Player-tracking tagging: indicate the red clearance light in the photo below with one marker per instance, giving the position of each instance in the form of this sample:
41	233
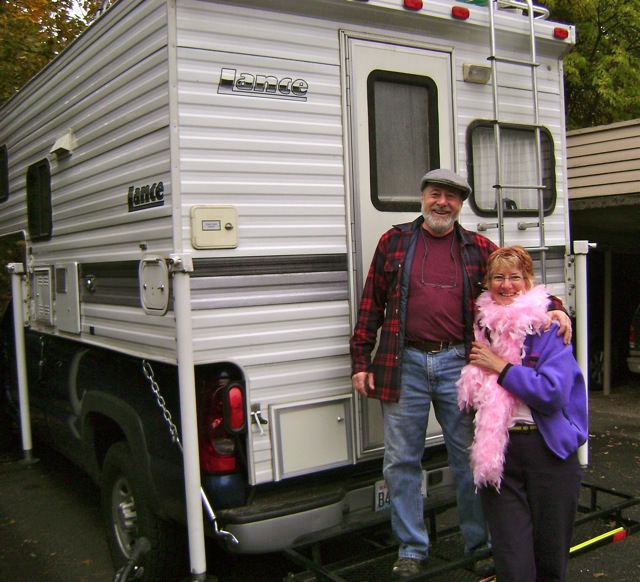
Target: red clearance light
460	12
412	4
560	33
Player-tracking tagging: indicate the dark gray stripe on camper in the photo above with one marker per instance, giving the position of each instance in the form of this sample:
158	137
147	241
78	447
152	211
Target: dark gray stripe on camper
220	283
113	283
269	265
259	281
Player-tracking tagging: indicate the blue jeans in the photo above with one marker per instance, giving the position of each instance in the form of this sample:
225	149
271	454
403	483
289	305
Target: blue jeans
428	378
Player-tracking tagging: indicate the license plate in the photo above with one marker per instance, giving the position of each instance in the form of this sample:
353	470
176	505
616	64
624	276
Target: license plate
381	500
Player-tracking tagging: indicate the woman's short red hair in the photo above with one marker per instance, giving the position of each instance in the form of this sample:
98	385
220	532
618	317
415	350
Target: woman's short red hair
515	257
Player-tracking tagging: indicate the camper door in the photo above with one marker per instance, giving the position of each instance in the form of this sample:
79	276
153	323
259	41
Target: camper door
401	126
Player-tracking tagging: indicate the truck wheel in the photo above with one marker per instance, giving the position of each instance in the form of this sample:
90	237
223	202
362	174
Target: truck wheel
128	515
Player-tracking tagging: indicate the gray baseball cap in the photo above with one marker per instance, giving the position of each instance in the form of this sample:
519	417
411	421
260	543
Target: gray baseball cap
447	178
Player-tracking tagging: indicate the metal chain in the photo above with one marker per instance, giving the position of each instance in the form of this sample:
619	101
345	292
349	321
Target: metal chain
147	370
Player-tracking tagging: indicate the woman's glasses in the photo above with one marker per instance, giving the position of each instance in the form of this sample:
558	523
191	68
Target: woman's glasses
511	278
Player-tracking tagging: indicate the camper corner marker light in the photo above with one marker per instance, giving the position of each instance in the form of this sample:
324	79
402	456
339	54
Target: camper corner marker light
412	4
460	12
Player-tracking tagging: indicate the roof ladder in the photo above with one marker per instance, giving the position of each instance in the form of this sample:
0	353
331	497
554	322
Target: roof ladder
534	13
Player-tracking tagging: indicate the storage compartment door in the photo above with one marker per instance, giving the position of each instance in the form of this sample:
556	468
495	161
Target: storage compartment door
311	436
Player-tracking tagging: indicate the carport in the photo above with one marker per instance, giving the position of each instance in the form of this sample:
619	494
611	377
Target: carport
604	208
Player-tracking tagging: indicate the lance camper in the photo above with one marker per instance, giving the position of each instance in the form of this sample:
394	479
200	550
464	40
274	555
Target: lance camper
193	191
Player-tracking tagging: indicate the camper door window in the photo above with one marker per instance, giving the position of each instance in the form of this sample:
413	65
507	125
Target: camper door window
403	137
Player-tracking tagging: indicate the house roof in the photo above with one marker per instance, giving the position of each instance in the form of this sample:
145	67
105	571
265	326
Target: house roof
604	185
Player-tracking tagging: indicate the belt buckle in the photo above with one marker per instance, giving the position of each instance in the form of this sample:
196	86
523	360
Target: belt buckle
442	346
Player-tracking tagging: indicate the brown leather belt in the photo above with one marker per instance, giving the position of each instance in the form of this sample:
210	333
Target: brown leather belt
431	346
524	428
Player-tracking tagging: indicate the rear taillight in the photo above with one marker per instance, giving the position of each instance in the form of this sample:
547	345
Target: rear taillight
233	409
222	418
632	336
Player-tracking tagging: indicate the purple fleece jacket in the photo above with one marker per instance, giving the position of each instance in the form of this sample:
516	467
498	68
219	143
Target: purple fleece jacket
550	382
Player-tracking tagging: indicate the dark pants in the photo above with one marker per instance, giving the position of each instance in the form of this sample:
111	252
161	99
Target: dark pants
531	518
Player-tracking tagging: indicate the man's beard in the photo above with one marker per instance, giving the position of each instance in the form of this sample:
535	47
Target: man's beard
439	224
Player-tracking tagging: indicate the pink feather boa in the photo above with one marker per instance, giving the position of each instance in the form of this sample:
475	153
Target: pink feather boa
508	326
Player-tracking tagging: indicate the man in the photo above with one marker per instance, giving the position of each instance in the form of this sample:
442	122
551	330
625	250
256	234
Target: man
420	289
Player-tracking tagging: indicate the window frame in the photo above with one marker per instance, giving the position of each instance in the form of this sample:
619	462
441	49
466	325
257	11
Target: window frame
433	133
545	134
39	207
4	173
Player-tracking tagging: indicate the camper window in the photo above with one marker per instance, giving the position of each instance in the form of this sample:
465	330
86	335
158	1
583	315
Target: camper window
517	165
4	173
403	137
39	200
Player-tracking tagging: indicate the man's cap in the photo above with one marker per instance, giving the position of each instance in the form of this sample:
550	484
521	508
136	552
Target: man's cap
446	178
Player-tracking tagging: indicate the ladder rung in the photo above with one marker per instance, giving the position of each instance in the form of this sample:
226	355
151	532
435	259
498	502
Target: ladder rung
519	186
498	59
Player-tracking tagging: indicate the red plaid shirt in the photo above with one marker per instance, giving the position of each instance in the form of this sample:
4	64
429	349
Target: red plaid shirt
386	291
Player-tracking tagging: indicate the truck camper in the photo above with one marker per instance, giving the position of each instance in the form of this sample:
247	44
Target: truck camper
193	191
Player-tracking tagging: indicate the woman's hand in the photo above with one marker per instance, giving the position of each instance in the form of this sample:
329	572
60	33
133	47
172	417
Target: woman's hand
484	357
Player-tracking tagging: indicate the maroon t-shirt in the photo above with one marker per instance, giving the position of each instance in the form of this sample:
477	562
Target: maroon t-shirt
434	308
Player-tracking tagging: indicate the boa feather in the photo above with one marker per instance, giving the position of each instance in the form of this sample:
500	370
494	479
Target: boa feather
504	329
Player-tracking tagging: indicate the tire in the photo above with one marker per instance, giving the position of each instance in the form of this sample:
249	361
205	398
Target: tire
128	515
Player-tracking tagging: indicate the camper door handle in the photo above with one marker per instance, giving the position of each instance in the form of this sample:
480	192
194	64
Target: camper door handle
340	419
90	283
256	418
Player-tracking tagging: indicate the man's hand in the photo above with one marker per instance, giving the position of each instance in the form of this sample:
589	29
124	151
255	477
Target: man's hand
362	382
564	321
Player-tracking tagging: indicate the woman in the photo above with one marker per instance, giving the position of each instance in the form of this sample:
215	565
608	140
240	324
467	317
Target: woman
531	417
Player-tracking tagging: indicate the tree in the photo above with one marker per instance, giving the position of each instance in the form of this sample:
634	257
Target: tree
33	32
602	73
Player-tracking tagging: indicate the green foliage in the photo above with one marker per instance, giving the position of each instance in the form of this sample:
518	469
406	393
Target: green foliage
33	32
602	73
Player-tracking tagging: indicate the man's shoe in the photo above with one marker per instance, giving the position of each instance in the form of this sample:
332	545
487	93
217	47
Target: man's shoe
484	568
405	568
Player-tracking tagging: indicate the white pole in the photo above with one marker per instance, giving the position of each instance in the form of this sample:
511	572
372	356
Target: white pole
181	267
17	270
580	249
